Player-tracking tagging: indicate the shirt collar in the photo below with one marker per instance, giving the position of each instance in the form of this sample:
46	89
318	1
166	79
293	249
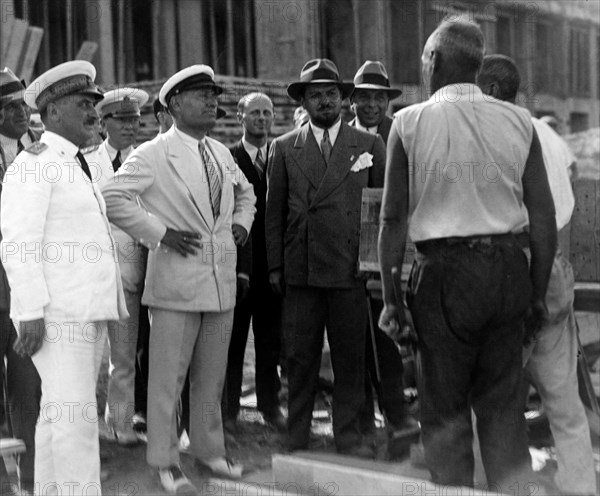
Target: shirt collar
371	130
112	151
333	131
457	91
252	150
56	140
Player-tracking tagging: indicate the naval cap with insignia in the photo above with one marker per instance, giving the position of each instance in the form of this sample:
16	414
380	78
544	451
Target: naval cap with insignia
11	87
191	78
69	78
122	102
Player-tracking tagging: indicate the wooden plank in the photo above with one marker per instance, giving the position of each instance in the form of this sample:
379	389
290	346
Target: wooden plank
30	54
6	27
87	50
585	231
16	43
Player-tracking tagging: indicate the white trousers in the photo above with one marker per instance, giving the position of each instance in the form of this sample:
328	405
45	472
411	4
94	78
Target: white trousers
551	366
67	458
122	338
178	341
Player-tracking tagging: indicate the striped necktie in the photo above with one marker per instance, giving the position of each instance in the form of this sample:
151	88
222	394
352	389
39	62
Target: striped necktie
326	146
214	180
259	164
116	163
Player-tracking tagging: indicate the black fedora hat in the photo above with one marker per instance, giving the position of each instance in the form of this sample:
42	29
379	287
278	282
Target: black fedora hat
319	71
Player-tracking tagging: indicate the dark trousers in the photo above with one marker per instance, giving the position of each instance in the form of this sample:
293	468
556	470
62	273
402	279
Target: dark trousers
141	364
22	384
468	303
307	311
264	307
390	390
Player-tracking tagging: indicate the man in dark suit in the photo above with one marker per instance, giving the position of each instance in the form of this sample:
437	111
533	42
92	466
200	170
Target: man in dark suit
370	99
369	102
316	177
255	298
19	376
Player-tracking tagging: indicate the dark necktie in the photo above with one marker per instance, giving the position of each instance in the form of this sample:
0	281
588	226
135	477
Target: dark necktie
259	164
116	163
214	180
84	165
326	146
20	146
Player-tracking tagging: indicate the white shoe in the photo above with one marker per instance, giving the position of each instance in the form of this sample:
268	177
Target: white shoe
174	481
224	467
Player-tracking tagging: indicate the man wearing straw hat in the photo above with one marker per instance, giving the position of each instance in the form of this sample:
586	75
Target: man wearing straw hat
64	277
316	177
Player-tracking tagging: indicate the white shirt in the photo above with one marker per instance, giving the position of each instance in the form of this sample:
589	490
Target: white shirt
558	157
252	150
371	130
193	144
333	132
112	151
466	154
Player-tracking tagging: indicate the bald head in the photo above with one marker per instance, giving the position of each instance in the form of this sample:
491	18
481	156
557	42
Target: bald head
499	77
453	53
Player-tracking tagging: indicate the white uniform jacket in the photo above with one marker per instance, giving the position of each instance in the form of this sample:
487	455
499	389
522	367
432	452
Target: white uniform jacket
132	259
169	179
57	247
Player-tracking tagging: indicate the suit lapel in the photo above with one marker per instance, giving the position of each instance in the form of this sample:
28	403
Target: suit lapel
191	173
246	165
308	158
343	155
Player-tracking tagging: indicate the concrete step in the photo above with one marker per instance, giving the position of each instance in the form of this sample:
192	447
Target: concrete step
328	474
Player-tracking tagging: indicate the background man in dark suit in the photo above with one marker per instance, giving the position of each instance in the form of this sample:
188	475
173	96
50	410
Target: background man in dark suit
371	98
316	177
369	102
19	376
256	299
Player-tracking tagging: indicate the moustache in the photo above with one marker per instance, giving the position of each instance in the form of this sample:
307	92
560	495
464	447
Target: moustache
90	122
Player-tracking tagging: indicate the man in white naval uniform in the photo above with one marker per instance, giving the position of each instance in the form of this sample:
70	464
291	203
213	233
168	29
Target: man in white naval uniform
61	264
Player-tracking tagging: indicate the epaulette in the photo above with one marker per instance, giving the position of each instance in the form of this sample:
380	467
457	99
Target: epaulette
89	149
37	148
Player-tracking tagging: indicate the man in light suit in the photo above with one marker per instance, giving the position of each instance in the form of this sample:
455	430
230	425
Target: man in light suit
316	177
198	207
62	268
255	112
120	114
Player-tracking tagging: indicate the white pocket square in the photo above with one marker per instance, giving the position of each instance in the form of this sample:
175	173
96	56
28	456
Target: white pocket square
364	161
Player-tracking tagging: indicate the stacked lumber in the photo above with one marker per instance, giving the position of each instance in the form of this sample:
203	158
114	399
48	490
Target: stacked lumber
19	46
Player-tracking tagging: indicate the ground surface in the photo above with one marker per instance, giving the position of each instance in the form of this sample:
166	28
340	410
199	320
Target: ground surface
128	474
